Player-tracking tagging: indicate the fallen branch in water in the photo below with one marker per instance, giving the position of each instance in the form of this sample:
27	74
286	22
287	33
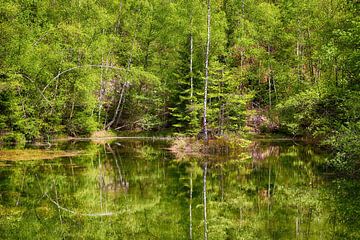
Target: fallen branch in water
101	214
80	214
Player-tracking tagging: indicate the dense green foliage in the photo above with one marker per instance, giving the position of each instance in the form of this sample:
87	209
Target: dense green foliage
74	68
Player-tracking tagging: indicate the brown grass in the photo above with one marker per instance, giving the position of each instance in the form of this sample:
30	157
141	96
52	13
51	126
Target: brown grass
190	147
183	147
34	154
103	134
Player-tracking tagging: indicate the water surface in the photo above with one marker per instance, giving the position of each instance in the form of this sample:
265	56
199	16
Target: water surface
136	189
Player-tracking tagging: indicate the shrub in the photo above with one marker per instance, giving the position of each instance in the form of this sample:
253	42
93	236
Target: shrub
14	138
81	124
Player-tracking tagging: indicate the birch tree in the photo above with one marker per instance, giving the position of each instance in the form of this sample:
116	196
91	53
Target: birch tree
205	130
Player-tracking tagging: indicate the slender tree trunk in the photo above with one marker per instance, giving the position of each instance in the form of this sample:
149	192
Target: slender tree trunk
117	107
119	18
206	72
72	108
273	83
298	59
243	9
147	52
309	53
191	69
121	110
336	73
269	77
222	113
101	90
118	110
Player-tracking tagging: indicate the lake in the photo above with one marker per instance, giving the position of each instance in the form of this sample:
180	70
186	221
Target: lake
137	189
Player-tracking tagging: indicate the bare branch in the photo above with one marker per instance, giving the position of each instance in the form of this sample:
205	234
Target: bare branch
83	66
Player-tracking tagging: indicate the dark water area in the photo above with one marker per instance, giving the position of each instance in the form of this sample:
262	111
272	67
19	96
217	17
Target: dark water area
137	189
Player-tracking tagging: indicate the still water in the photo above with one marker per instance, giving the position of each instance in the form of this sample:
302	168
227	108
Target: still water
137	189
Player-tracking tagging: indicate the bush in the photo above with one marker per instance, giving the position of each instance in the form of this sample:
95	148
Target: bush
14	138
82	125
29	127
318	112
331	116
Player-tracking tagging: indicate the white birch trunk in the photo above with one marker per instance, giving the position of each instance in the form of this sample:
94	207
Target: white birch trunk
117	107
191	69
206	71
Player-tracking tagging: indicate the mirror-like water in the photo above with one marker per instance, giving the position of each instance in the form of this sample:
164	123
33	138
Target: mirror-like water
138	190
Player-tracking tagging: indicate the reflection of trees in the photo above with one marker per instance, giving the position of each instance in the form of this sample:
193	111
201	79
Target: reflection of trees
260	151
84	198
145	195
243	204
343	199
120	183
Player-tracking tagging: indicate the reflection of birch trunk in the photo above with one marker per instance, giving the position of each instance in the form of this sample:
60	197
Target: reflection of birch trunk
190	205
22	187
101	182
72	173
269	192
56	196
297	223
309	223
122	180
57	200
269	187
204	192
116	161
222	185
119	170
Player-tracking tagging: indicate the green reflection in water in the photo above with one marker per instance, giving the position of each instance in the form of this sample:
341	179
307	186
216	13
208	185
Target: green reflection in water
138	190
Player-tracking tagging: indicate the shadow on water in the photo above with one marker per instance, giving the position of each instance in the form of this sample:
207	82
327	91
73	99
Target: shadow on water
136	189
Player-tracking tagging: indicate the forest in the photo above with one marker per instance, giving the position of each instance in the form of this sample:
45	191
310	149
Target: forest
71	68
